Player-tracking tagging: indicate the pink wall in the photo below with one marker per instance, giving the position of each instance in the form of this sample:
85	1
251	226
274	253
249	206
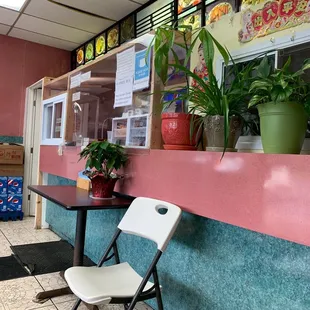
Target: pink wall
265	193
22	63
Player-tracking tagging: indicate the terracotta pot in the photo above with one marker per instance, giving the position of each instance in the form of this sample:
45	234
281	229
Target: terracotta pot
214	129
102	187
175	130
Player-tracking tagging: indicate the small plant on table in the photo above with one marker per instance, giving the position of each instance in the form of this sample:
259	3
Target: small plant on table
103	159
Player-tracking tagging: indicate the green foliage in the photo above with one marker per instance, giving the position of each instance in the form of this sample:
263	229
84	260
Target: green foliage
280	85
103	157
207	99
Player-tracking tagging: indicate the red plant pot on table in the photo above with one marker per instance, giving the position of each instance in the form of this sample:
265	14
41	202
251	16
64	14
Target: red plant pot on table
102	187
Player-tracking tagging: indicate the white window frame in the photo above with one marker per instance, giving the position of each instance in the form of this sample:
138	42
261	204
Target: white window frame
51	102
270	44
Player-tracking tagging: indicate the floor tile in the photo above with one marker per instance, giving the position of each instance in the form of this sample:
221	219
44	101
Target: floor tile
20	233
53	281
17	294
69	304
5	249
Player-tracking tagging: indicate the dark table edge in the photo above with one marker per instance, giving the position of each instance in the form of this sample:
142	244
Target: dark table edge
116	194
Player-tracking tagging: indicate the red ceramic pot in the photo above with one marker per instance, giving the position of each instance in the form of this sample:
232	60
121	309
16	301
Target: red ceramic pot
175	130
102	187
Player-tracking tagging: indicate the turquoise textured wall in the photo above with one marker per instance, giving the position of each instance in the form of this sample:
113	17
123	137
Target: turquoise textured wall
208	265
11	139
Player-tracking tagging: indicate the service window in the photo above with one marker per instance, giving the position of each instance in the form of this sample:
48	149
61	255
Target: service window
53	125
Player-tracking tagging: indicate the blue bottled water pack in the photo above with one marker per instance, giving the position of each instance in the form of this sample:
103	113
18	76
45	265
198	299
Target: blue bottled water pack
14	203
3	203
15	185
3	185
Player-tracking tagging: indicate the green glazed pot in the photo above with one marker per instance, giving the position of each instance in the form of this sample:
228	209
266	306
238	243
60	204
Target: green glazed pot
283	127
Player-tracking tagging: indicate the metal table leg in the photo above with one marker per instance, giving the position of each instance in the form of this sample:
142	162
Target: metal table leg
77	259
80	238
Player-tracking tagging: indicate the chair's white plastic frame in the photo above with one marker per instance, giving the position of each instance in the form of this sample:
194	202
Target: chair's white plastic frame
152	219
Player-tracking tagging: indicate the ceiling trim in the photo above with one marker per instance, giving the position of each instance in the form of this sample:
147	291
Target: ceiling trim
81	11
20	14
45	35
52	21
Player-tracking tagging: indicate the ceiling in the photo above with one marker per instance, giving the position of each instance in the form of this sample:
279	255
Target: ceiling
48	23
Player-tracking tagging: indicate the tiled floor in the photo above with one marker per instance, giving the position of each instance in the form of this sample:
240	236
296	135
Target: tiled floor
17	294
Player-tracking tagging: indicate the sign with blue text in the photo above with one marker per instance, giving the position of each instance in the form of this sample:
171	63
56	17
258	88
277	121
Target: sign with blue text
142	70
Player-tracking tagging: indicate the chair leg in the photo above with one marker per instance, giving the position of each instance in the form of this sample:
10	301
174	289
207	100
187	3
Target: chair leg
75	307
159	299
157	290
132	304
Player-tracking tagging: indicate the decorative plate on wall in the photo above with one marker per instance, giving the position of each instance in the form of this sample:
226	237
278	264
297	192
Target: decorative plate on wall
89	51
127	29
113	38
186	4
80	56
193	20
214	13
100	44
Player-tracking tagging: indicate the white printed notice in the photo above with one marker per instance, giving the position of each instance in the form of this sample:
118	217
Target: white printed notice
76	96
75	81
126	62
124	78
123	91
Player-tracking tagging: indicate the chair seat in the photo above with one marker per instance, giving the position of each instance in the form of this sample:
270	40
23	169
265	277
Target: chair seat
98	285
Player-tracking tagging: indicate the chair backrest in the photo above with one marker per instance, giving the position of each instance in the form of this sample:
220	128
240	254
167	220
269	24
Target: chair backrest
152	219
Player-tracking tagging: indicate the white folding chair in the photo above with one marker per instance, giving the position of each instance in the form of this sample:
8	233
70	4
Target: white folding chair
120	284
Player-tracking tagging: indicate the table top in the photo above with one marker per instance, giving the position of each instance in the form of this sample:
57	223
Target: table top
73	198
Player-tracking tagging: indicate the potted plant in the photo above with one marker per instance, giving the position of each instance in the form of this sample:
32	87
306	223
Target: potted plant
102	160
283	100
220	108
177	127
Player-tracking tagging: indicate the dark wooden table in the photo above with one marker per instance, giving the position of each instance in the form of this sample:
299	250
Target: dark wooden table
72	198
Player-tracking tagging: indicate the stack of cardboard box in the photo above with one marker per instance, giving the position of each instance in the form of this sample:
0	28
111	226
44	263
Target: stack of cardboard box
11	181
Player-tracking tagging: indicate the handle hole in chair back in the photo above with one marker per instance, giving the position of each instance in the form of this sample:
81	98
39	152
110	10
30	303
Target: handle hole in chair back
153	219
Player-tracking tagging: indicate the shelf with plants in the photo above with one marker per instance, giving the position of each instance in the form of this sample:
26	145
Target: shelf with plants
219	109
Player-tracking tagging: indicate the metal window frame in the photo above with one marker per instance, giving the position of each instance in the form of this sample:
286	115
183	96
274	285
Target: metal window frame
172	7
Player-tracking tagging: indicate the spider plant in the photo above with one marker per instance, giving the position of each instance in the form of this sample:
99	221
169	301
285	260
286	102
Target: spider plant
211	98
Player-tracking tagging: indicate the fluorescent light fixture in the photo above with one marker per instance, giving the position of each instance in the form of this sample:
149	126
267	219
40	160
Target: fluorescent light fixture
12	4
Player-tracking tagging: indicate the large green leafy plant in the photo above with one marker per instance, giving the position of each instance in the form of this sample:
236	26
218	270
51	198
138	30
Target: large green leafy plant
211	98
280	85
103	158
